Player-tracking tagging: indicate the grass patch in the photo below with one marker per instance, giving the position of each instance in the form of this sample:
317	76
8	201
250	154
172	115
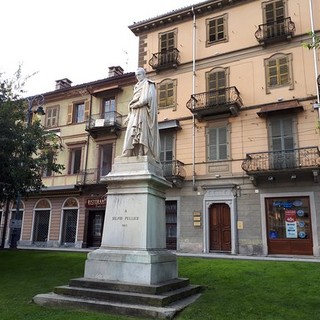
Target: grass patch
235	289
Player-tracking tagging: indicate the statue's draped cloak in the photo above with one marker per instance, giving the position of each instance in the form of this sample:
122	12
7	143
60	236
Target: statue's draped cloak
142	125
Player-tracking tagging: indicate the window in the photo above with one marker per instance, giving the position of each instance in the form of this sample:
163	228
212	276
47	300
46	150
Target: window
69	224
167	93
52	116
171	225
41	221
274	15
75	160
105	159
166	147
216	30
167	41
78	112
50	158
289	229
282	142
279	71
217	143
108	108
216	84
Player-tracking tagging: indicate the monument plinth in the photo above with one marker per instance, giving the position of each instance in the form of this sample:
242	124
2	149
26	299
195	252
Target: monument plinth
131	273
133	242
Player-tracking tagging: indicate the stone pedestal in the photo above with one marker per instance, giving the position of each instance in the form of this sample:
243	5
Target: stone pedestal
134	236
131	273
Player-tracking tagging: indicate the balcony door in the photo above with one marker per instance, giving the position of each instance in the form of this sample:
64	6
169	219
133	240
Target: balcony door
282	143
108	110
105	159
216	84
166	153
167	44
274	15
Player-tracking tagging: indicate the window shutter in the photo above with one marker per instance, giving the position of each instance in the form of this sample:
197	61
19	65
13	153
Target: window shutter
70	117
86	110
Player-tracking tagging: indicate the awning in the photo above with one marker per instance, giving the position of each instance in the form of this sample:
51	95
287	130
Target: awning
280	106
169	124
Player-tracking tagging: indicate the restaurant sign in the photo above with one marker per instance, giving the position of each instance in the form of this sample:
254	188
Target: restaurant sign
96	202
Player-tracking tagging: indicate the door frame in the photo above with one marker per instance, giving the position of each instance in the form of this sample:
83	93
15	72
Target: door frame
313	216
226	194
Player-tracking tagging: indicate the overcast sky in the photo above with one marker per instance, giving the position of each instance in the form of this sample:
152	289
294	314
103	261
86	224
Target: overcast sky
75	39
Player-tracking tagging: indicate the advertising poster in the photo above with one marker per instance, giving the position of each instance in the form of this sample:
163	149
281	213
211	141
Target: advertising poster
291	224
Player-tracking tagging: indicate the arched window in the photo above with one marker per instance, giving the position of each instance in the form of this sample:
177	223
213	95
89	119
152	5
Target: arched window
69	222
278	70
41	221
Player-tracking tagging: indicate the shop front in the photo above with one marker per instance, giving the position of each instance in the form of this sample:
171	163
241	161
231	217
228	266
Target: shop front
289	224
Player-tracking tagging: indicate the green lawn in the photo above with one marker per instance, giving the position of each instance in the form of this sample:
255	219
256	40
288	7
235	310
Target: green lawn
235	289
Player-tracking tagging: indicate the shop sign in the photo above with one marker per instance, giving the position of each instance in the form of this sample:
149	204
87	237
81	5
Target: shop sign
96	203
291	224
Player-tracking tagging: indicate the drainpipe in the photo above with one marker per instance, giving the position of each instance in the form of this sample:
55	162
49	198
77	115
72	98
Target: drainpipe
314	54
193	92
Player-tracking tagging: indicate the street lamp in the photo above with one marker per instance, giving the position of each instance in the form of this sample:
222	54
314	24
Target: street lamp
36	101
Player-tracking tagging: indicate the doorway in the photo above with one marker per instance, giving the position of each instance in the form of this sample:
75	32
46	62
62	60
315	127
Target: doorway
95	228
219	228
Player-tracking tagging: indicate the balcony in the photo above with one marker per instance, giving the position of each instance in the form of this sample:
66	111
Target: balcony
293	163
275	31
174	172
107	123
215	102
91	176
165	60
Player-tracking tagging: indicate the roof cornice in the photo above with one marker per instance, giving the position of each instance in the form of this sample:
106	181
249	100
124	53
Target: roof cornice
183	14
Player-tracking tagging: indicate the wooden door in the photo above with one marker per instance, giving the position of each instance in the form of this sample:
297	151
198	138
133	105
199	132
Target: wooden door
220	227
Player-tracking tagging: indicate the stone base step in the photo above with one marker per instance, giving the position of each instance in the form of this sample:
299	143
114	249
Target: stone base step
151	301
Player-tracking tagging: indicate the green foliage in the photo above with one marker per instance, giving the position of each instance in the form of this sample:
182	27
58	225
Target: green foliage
315	41
24	147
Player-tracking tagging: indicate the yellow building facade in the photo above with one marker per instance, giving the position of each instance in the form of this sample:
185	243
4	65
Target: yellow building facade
239	128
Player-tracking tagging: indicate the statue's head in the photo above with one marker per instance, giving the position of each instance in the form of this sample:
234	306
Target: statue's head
140	74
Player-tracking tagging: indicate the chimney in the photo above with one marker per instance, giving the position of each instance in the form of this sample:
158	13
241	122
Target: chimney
115	71
63	83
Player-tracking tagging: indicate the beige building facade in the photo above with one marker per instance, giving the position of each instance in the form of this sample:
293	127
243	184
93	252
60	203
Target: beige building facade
239	128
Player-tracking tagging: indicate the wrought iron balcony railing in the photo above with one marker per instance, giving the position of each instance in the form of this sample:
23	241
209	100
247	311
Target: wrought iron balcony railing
221	101
91	176
109	121
300	158
174	171
275	31
165	59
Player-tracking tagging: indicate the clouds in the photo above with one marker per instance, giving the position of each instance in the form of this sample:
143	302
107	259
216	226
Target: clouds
75	39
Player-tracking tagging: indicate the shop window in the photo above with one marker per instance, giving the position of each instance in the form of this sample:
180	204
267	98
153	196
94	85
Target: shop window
289	225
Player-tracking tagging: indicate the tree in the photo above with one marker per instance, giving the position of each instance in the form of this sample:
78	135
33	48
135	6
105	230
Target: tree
27	150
